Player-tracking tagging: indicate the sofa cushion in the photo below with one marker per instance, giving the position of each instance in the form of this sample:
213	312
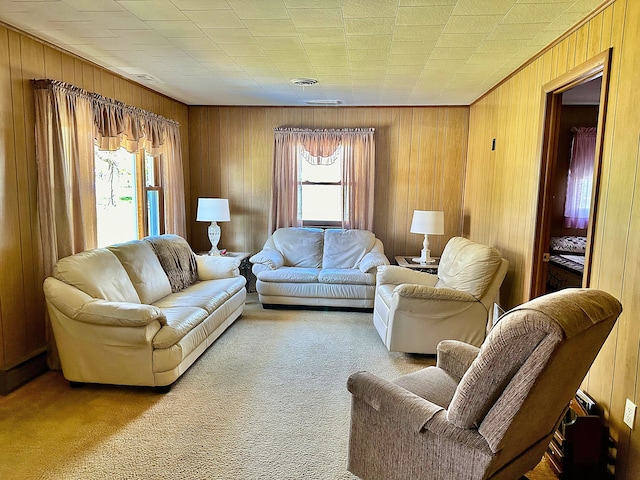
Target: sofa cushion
144	270
346	276
207	295
300	247
213	268
290	275
345	248
177	260
180	321
97	273
467	266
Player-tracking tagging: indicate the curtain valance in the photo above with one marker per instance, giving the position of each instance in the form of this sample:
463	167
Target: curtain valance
320	146
116	123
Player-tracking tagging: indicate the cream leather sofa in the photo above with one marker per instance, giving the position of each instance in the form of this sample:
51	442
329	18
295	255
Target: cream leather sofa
414	311
140	313
316	267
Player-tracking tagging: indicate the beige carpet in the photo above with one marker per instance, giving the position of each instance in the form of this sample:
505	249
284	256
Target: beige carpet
267	401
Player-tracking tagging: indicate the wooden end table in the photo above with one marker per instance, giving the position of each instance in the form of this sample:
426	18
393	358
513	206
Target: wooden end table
406	261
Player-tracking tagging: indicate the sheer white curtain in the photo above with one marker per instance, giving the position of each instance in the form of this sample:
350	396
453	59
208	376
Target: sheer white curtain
580	179
355	148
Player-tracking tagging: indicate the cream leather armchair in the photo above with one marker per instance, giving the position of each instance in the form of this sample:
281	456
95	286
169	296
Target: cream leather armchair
414	311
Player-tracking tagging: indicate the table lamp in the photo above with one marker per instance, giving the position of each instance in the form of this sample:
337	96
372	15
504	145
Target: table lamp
429	223
213	210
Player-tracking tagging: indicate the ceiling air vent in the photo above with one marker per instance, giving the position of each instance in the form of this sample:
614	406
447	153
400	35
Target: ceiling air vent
145	77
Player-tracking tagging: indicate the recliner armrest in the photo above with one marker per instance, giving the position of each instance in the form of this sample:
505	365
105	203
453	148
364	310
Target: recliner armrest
455	357
432	293
395	275
392	400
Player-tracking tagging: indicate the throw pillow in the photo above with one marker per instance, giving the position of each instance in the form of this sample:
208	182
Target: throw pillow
214	268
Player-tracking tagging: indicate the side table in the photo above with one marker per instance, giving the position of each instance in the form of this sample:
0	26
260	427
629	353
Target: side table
245	268
406	261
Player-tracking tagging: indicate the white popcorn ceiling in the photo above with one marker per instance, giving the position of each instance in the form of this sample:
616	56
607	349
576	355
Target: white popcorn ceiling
362	52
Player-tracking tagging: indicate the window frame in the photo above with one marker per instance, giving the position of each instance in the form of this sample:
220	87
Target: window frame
319	223
142	189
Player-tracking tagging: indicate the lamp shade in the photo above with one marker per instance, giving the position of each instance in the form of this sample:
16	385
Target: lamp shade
213	210
427	222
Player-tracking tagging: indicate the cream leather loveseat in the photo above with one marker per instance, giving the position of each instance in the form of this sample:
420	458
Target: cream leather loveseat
140	313
316	267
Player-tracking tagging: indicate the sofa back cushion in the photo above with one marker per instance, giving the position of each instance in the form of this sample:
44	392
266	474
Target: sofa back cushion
300	246
467	266
97	273
177	259
144	270
345	248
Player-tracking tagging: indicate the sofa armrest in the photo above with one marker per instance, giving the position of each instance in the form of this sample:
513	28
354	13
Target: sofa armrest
394	275
77	305
456	357
269	257
392	400
432	293
371	261
121	314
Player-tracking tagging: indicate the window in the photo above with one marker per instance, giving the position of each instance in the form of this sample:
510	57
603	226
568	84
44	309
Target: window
323	178
321	191
580	180
126	206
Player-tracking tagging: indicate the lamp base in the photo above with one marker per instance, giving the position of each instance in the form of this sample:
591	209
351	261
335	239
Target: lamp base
214	238
425	258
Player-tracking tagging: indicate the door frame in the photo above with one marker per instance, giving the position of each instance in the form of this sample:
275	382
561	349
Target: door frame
552	91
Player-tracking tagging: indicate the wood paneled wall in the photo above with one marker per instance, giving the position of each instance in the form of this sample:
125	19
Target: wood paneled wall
420	161
22	329
500	200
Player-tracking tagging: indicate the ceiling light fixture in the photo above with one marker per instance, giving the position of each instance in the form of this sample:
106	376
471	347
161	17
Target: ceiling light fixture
304	82
326	103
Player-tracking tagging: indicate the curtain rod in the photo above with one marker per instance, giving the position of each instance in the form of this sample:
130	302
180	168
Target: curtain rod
46	83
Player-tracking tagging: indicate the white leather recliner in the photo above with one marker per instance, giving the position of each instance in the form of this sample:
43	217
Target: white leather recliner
414	311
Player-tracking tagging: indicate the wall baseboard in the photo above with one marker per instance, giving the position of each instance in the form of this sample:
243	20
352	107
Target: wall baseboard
17	376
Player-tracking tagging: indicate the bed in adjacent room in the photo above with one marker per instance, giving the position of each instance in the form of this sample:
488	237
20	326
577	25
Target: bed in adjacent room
566	263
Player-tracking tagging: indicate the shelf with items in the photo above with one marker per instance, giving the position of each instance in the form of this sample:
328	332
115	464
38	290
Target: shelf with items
579	448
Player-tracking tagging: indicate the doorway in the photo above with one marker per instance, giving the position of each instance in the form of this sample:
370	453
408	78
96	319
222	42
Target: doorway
575	108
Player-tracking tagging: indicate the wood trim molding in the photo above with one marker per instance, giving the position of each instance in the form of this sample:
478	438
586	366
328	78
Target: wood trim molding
16	376
552	90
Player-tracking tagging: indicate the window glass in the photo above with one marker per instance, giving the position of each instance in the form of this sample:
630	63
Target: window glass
150	171
116	205
320	195
153	212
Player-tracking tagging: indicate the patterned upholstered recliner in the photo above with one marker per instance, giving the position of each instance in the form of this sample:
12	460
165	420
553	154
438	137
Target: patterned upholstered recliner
481	413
